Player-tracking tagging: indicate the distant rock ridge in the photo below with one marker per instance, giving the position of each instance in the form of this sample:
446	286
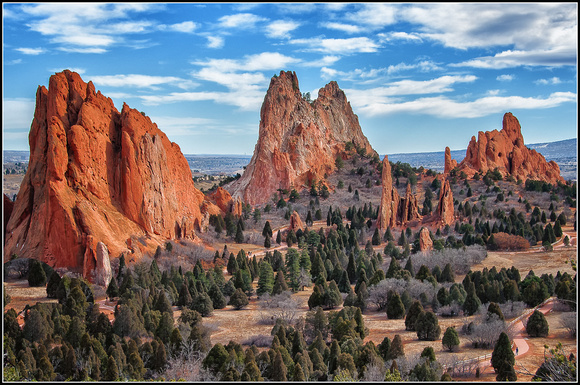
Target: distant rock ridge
299	140
97	175
505	150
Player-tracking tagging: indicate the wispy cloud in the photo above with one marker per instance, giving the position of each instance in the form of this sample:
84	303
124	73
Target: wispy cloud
552	81
30	51
141	81
348	28
281	28
512	59
338	46
445	107
505	78
240	20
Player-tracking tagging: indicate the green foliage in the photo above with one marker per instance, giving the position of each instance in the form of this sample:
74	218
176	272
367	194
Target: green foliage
239	299
503	359
36	274
537	325
450	338
427	326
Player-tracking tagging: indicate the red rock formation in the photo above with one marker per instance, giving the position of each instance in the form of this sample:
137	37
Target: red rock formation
389	198
7	208
296	222
222	198
97	175
505	150
445	208
425	242
298	141
450	163
408	208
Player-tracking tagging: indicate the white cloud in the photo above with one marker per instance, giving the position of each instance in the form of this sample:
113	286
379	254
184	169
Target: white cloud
17	113
240	20
375	74
400	36
545	26
444	107
512	59
338	46
215	41
505	78
551	81
30	51
141	81
374	15
281	28
185	27
348	28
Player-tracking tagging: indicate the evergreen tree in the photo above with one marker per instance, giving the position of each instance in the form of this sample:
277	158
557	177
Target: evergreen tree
267	230
239	238
427	326
396	349
279	369
112	289
279	283
450	338
239	299
503	359
395	308
112	372
52	284
537	325
36	274
414	310
265	278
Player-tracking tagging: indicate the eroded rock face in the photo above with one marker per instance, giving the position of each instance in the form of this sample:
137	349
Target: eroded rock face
445	208
408	208
425	242
8	207
505	150
222	198
298	140
389	198
296	222
450	163
98	175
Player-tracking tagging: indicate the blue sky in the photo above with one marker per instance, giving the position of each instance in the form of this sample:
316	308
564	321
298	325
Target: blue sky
420	76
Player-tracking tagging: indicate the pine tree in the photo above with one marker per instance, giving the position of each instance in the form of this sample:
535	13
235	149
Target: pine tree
36	274
414	310
503	359
450	338
427	326
232	266
239	238
279	369
396	349
537	325
265	278
267	230
112	372
395	308
279	283
239	299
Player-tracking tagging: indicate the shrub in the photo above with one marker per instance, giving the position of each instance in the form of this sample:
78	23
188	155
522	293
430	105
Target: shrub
537	325
239	299
36	274
427	326
450	338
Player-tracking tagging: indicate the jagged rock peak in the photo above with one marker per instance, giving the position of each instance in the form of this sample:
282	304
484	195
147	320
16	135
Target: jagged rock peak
505	150
99	176
299	139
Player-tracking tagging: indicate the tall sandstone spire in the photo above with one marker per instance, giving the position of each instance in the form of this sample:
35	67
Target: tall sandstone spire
445	208
389	198
298	140
96	176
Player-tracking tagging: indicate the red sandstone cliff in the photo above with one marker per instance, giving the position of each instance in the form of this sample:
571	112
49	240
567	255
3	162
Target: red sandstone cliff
505	150
445	209
298	141
98	175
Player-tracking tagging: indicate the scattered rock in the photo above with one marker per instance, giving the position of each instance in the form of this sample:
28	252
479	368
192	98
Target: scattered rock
425	242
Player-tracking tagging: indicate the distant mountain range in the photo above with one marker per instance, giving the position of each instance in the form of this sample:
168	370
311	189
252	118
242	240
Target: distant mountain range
563	152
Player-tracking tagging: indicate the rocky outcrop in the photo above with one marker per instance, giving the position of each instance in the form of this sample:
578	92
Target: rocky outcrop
7	209
98	175
298	140
408	208
425	241
445	208
450	163
393	209
389	198
505	150
295	222
222	198
97	265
